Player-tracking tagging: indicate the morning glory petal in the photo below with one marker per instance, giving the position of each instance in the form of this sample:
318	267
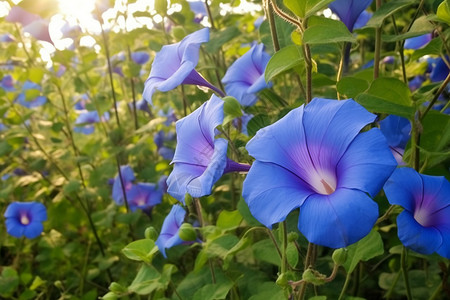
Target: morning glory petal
140	57
321	215
367	163
33	230
271	192
168	236
418	41
424	240
14	228
348	11
444	249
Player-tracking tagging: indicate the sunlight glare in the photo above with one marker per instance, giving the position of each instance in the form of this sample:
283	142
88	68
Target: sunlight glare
80	9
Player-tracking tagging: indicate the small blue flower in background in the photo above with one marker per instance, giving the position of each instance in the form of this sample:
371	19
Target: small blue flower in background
160	138
127	183
416	82
245	77
143	196
200	159
362	20
242	122
440	70
7	38
7	83
28	87
81	102
175	64
199	10
140	57
85	120
424	224
316	158
25	219
349	11
418	41
397	131
170	115
257	23
168	237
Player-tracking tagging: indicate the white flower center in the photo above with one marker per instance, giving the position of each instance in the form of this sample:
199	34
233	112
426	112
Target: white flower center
323	182
24	220
422	217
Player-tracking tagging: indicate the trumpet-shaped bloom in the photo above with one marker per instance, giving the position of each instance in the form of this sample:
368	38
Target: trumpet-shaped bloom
397	131
316	158
23	98
168	237
174	65
200	159
440	70
424	224
7	83
33	24
25	219
245	77
418	41
143	196
140	57
127	183
348	11
199	10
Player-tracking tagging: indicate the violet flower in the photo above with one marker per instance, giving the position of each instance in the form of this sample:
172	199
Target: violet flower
7	38
143	196
7	83
424	224
31	23
168	236
127	183
242	122
25	219
245	77
174	65
397	131
200	158
316	158
160	138
30	103
140	57
199	10
348	11
418	41
86	119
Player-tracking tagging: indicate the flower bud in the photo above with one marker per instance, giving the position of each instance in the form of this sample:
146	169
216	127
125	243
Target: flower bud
150	233
292	236
117	288
339	256
282	280
314	277
187	232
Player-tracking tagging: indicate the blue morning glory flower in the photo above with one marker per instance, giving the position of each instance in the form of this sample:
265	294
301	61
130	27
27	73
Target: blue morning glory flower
424	224
174	65
416	82
348	11
160	138
316	158
25	219
242	122
440	70
7	38
85	119
362	20
199	10
168	237
143	196
7	83
30	103
245	77
127	183
397	131
200	159
418	41
169	115
140	57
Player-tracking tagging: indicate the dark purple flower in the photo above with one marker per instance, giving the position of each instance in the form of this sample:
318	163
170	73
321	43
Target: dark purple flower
245	77
397	131
348	11
7	83
175	64
316	158
33	24
144	196
140	57
25	219
127	182
200	159
168	237
418	41
36	101
86	119
424	224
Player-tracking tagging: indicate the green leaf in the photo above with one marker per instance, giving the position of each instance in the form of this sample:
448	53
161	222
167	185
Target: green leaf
232	109
351	86
229	219
436	131
380	105
322	30
386	10
391	89
433	47
443	11
146	280
9	281
72	186
218	39
367	248
35	75
256	123
421	26
283	60
265	250
214	291
306	8
140	250
284	31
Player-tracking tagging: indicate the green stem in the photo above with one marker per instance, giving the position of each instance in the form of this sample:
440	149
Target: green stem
377	54
344	288
210	17
283	227
386	215
436	96
405	273
400	51
273	27
275	243
133	94
340	68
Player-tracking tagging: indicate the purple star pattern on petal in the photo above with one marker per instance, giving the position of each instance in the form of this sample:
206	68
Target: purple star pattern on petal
174	65
245	77
348	11
168	236
316	158
25	219
424	224
200	159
